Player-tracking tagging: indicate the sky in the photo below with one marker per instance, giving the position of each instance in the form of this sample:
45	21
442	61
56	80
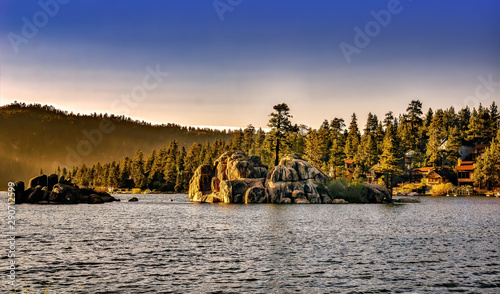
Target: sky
227	62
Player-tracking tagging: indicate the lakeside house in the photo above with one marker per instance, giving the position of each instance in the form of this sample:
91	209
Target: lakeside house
440	176
417	174
465	173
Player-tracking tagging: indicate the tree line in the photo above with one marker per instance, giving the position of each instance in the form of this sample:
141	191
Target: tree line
432	139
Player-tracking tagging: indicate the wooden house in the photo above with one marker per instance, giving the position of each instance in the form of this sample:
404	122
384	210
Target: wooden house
465	173
440	176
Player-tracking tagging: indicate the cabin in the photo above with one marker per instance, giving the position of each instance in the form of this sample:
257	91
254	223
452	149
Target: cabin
465	173
418	174
440	176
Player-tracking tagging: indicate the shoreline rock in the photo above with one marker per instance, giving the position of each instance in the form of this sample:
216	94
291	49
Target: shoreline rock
54	190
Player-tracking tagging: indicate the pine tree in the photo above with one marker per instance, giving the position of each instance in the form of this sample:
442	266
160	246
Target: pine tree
487	167
280	125
192	161
353	139
113	175
150	160
170	167
453	147
379	138
138	168
317	146
414	115
237	140
337	158
248	139
389	119
180	183
427	123
389	161
463	118
124	172
494	118
315	149
407	136
293	142
367	155
257	146
437	136
371	124
479	129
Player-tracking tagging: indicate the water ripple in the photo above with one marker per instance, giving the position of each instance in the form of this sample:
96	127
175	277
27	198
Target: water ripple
163	246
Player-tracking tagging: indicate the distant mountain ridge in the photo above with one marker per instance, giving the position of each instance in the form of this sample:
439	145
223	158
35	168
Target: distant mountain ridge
35	137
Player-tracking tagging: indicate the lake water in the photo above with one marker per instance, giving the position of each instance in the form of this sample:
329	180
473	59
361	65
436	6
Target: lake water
164	244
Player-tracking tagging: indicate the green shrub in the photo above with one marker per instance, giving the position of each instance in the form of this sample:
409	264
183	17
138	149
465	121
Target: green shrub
442	189
351	192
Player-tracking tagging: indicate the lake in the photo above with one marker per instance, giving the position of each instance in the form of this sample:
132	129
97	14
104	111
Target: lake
164	244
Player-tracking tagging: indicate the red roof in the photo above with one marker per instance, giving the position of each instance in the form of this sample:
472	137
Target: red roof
349	161
465	168
424	169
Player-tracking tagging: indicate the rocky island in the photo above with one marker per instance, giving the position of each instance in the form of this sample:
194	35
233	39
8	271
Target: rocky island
52	189
237	178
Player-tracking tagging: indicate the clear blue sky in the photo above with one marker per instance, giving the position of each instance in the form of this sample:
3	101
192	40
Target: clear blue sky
87	54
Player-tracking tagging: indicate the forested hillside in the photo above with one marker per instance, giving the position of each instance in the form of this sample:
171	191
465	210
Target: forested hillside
35	137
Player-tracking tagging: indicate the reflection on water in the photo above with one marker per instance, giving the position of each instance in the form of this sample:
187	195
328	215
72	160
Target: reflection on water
163	244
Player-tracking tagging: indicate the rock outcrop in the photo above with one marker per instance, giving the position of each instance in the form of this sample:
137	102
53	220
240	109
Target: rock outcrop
374	193
237	178
52	190
294	180
234	178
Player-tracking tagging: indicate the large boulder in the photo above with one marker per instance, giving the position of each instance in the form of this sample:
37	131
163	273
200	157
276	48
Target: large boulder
40	180
200	184
35	194
62	193
373	193
294	179
234	178
19	192
235	165
51	181
242	191
95	199
46	193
